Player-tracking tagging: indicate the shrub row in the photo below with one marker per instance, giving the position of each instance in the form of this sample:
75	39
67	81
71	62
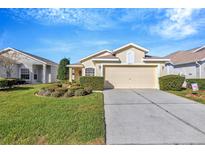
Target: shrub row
8	83
171	82
56	91
96	83
200	82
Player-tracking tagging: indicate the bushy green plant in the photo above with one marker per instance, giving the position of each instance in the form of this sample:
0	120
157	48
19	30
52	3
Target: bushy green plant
80	92
200	82
96	83
88	90
62	90
69	93
44	92
57	94
171	82
7	83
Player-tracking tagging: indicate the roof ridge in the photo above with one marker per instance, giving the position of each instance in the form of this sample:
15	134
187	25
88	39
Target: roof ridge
32	55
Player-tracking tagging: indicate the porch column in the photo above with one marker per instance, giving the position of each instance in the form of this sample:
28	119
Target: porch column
70	74
44	73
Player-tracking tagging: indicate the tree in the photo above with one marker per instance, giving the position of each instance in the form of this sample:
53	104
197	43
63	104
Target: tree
63	71
8	60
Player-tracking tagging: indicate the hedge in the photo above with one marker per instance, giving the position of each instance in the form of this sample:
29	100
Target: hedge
171	82
7	83
96	83
200	82
10	82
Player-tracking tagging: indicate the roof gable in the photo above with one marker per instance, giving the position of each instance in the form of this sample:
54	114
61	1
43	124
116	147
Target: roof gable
96	54
130	45
34	57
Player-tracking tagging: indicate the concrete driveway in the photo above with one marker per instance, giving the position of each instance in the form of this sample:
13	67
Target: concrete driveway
139	116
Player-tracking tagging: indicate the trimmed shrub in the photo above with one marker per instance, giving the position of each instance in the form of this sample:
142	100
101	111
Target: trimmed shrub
56	94
7	83
80	92
20	81
171	82
57	84
69	93
95	82
88	90
200	82
47	93
61	90
44	92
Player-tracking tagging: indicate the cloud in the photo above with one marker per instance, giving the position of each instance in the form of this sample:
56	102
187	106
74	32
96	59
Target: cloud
168	23
91	19
178	24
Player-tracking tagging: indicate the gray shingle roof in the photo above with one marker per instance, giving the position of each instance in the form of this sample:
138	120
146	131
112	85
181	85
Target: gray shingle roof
47	61
187	56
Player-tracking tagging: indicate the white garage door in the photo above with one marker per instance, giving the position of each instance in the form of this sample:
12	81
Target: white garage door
130	77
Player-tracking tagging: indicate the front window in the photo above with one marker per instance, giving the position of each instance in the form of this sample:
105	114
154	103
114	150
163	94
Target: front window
89	72
35	75
130	57
25	74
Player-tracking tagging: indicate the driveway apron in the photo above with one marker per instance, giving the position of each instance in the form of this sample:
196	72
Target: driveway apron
148	116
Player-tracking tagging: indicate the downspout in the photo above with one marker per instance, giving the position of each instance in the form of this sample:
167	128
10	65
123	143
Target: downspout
199	68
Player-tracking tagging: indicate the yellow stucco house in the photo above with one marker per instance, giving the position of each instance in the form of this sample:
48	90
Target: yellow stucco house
128	66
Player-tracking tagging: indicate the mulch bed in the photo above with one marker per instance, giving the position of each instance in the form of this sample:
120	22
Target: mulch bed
197	95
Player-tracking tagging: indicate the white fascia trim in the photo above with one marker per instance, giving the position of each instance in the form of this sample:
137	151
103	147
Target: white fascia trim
74	66
199	49
101	51
105	59
132	44
23	54
166	60
134	64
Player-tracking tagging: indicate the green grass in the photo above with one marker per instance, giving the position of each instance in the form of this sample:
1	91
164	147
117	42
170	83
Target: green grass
187	93
29	119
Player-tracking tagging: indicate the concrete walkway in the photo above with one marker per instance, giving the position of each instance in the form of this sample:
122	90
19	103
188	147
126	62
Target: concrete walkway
152	117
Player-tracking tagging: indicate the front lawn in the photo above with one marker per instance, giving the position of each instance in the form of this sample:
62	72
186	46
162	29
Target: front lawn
187	93
29	119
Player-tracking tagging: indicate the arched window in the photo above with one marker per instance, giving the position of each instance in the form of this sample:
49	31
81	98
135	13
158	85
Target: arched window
130	57
89	71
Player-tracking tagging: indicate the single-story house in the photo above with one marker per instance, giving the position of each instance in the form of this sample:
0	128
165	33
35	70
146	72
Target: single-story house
128	66
190	63
26	66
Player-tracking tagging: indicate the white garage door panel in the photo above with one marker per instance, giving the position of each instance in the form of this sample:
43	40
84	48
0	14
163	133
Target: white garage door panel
130	77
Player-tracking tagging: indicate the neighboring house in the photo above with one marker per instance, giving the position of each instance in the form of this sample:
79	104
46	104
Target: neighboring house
33	69
190	63
128	66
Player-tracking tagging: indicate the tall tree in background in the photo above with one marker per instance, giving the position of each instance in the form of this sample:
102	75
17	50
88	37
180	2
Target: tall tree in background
63	71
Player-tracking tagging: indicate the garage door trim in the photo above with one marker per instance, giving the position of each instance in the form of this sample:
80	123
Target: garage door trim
154	82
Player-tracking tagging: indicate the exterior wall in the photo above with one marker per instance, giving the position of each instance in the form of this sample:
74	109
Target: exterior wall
88	63
14	73
203	70
54	70
99	67
190	70
138	54
161	68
